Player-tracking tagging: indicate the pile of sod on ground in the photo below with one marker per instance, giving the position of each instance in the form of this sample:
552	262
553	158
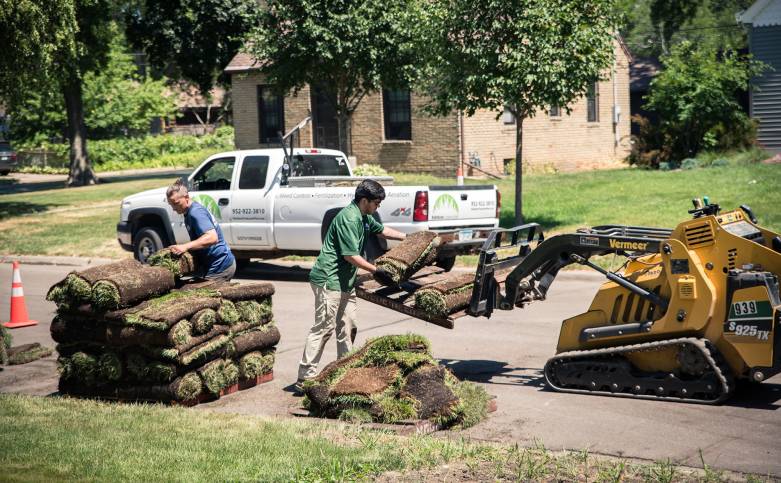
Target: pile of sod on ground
21	354
179	346
391	379
415	252
179	265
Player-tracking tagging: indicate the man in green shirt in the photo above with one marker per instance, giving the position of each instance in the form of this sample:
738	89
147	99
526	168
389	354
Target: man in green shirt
333	275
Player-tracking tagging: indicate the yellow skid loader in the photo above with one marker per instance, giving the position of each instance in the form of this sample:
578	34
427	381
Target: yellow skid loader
693	310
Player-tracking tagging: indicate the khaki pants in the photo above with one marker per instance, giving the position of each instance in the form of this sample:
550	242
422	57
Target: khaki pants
334	311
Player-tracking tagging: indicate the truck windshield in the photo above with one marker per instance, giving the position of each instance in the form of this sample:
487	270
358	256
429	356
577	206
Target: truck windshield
318	165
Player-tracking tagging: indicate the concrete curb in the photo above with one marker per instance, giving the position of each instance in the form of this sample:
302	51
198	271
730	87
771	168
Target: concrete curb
571	275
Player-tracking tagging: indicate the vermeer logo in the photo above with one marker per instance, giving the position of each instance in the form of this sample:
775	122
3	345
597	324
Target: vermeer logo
210	205
625	245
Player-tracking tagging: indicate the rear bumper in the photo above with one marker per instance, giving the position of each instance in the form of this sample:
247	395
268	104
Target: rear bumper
459	242
125	235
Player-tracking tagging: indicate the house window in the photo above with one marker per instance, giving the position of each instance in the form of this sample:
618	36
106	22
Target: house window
592	102
507	116
271	115
397	114
555	111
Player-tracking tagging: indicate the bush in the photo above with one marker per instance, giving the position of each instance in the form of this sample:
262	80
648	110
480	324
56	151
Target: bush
147	151
369	170
690	163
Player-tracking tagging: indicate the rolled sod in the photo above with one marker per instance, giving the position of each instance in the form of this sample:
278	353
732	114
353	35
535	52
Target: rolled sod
203	321
27	353
184	388
5	343
66	328
125	288
256	363
213	376
426	385
230	371
253	312
76	287
415	252
180	333
227	313
163	312
178	265
446	296
254	339
109	367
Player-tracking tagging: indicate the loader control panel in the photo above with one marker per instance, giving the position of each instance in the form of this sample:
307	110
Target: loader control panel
735	223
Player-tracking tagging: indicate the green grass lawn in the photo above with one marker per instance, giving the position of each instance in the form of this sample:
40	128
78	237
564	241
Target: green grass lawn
46	439
82	221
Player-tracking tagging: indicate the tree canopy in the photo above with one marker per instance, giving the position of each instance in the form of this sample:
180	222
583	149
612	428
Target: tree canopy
191	40
345	49
523	55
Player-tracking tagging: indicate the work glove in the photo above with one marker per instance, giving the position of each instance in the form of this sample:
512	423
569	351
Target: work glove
384	278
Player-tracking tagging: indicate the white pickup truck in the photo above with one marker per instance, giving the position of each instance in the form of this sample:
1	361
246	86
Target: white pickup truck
268	207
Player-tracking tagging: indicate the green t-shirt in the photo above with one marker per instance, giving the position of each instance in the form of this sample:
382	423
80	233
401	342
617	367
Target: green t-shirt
346	236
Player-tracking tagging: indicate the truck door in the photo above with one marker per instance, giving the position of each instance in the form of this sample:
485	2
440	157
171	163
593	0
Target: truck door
211	187
251	206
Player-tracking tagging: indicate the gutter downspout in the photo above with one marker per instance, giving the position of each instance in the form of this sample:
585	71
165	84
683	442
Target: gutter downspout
616	107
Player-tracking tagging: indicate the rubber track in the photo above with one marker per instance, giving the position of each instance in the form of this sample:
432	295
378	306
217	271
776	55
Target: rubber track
716	362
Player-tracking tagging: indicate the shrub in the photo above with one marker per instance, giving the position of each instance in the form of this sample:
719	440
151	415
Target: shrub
690	163
369	170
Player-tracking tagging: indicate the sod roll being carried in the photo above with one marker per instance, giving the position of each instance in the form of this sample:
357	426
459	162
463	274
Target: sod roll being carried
415	252
446	296
394	378
179	265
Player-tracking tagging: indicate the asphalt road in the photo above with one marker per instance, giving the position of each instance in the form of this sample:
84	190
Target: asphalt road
505	355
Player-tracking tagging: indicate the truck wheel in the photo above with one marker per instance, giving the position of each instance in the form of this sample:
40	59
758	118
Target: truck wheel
4	172
147	242
446	263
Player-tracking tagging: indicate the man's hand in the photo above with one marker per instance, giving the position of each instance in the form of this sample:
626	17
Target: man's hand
178	249
384	278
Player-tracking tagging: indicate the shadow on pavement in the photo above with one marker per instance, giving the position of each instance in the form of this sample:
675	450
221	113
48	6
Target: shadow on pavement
271	271
483	371
756	396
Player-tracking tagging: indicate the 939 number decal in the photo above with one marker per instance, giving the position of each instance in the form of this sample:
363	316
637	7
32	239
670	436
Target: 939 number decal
745	308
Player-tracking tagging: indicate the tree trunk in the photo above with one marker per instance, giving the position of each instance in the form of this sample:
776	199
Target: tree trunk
518	170
343	120
81	173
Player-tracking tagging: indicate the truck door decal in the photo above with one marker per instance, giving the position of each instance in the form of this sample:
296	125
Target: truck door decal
210	205
445	202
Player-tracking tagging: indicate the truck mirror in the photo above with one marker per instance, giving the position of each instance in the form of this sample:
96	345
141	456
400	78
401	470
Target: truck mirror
285	173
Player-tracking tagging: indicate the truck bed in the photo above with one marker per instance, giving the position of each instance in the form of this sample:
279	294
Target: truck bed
401	299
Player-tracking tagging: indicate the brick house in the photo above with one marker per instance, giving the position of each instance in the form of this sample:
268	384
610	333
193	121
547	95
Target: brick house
389	128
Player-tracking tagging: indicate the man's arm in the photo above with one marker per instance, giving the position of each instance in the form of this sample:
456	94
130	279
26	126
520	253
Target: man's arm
360	262
206	240
391	234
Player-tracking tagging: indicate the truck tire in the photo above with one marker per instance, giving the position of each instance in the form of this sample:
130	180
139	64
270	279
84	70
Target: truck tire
4	172
146	242
446	263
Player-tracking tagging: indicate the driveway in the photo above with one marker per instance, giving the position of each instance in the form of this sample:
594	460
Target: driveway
504	354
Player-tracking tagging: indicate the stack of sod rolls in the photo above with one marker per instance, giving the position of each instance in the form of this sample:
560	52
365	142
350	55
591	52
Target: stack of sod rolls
415	252
394	378
183	346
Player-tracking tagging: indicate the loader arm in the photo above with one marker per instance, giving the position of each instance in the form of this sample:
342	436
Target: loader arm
538	261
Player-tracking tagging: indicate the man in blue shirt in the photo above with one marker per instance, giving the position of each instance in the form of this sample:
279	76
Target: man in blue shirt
207	245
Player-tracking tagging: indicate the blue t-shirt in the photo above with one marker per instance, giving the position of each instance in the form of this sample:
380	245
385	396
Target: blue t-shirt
217	257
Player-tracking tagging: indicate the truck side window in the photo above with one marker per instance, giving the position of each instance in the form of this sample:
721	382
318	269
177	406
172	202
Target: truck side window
216	175
318	165
253	173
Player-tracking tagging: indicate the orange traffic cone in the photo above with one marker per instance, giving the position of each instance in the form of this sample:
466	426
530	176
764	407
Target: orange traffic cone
19	317
459	176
